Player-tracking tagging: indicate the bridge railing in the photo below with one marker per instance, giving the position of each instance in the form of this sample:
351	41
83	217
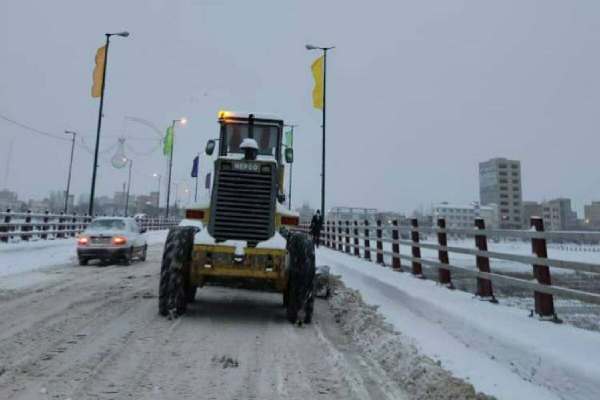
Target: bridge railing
30	225
361	239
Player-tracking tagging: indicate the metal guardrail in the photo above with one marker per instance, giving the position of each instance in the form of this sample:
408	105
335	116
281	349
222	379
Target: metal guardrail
29	225
346	236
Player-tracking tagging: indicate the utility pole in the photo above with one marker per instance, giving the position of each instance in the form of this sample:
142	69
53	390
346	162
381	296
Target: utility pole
70	168
95	166
128	187
8	162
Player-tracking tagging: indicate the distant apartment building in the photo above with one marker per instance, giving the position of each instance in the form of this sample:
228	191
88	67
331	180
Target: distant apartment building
9	200
500	184
557	214
592	214
463	216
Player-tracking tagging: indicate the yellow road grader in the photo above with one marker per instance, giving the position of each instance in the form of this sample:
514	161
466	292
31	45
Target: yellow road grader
242	235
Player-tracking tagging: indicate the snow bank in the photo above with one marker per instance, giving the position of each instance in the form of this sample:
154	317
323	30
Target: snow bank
497	348
418	376
16	258
30	256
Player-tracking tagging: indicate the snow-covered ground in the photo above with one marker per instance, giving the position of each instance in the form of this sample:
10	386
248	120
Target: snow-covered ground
497	348
27	256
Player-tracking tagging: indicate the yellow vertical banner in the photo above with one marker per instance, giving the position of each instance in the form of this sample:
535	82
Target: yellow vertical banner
317	93
98	72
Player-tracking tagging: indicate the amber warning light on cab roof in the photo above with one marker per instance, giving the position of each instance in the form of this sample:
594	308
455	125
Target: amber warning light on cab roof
224	114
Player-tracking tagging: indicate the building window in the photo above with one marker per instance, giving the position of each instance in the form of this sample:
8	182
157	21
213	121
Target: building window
504	203
503	188
503	181
514	166
501	165
504	196
502	173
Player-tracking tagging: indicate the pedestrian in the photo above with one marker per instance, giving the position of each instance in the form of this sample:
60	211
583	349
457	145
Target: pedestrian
316	224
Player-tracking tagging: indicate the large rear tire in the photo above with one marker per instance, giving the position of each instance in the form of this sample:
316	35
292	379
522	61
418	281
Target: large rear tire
301	272
174	274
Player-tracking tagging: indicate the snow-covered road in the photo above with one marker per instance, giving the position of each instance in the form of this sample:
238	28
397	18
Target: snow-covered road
94	333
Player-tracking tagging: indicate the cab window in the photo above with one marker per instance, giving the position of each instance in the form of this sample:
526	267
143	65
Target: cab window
265	136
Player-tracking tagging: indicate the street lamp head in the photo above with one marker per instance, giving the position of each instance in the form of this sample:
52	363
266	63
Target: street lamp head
155	175
183	121
311	47
122	34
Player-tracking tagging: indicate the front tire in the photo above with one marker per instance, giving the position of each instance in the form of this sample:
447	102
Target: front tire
128	257
301	270
172	293
83	261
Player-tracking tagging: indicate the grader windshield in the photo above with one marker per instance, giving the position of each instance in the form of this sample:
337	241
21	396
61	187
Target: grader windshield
266	133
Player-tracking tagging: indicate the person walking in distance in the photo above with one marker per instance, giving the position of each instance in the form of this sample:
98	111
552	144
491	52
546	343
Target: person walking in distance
315	228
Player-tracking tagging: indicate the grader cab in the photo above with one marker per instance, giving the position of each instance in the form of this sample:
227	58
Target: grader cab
242	236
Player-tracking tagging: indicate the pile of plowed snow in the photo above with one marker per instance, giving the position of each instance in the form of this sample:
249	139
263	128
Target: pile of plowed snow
419	376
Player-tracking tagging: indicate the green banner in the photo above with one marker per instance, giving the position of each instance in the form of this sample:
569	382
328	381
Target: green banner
168	142
289	139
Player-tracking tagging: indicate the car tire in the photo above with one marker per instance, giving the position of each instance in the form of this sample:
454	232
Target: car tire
144	253
128	257
83	261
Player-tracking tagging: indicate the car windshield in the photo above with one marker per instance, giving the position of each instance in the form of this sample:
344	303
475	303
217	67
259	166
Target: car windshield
107	224
265	136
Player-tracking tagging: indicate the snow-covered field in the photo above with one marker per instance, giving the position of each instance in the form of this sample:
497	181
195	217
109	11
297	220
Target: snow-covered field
497	348
590	254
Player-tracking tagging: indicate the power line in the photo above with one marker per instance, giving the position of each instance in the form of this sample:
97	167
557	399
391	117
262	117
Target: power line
34	130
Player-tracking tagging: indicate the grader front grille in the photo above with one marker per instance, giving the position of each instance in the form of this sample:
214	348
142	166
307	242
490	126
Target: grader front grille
243	203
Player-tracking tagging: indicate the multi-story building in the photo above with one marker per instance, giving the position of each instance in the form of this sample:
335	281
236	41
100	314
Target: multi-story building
557	214
592	214
463	216
530	209
306	213
355	213
500	184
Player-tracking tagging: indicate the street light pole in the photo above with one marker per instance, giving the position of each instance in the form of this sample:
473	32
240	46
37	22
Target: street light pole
182	121
324	49
291	169
196	191
70	168
95	166
128	187
159	176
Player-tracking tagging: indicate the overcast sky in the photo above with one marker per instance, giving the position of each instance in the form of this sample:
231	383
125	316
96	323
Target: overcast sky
418	92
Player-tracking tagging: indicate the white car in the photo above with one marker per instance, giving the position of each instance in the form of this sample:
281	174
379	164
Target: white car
112	238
